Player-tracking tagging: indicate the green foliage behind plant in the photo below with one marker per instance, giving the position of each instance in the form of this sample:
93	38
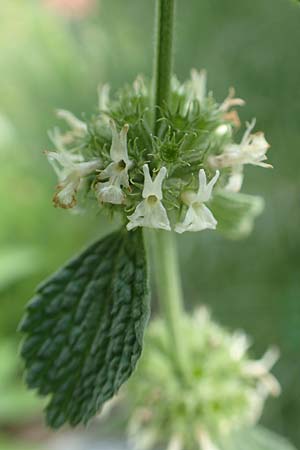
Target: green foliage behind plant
16	401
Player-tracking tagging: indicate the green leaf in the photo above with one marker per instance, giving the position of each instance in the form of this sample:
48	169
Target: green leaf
85	328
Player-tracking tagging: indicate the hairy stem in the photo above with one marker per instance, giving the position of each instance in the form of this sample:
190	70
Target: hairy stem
168	284
165	14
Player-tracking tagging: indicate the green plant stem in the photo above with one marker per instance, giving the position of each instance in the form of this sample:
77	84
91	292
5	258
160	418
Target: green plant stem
164	255
168	285
165	15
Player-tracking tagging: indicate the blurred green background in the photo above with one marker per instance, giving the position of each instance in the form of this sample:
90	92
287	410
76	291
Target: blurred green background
53	54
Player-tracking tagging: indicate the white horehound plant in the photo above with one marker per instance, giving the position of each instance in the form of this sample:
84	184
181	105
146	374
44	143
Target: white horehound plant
162	156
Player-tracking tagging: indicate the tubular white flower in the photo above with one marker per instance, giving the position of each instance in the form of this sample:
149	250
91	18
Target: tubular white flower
61	140
62	160
198	216
260	370
194	89
150	212
70	170
231	101
103	97
74	123
109	193
235	181
117	171
139	86
251	150
239	345
198	84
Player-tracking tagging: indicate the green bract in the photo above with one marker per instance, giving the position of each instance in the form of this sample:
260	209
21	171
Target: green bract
114	158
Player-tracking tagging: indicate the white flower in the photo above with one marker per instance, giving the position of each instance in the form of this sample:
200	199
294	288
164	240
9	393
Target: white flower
267	384
70	169
198	216
238	346
59	140
77	125
103	97
117	171
150	212
260	370
139	86
251	150
235	180
230	101
194	89
198	84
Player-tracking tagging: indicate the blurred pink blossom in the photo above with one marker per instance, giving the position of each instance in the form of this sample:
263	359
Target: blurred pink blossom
72	8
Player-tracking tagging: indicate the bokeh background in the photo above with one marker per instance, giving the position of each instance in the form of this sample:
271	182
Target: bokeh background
53	53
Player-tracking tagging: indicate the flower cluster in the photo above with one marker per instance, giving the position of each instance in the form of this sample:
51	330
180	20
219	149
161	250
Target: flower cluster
221	391
174	180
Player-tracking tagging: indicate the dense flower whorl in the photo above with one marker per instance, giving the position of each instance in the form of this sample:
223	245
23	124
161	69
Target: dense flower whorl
223	389
175	180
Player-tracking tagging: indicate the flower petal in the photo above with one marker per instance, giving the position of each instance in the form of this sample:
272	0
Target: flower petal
137	218
65	196
198	84
205	190
85	168
109	193
153	187
235	180
149	214
73	122
230	101
159	217
116	174
198	218
103	97
118	150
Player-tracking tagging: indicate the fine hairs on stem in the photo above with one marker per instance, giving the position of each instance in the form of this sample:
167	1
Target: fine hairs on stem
163	62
